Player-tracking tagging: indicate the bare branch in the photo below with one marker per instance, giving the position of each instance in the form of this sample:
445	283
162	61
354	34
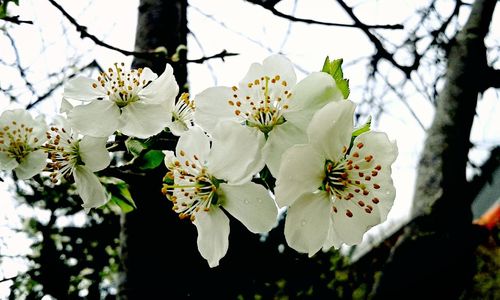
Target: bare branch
147	55
15	20
223	54
276	12
47	94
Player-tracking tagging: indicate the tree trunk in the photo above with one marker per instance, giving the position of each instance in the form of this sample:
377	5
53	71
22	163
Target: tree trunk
434	258
153	240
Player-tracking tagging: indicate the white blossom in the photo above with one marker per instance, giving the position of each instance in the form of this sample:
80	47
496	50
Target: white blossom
20	139
135	102
198	185
335	190
269	103
79	156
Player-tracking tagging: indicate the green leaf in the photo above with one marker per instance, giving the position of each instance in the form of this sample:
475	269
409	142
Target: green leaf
334	68
120	193
151	160
135	147
124	206
363	128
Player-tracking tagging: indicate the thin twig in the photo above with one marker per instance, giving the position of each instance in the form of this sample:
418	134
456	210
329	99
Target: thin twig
276	12
15	20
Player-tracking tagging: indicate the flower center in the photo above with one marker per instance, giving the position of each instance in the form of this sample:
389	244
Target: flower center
122	87
354	177
183	111
190	187
262	103
16	140
64	153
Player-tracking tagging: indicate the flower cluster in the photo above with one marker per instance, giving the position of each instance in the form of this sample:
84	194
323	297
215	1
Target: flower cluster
233	144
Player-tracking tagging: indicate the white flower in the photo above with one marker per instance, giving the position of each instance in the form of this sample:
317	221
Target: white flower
20	139
181	114
73	155
198	186
335	192
135	102
269	103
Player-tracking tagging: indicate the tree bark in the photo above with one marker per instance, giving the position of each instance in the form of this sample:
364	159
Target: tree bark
153	240
434	258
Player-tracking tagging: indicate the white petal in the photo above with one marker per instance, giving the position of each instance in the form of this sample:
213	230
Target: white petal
177	127
94	153
148	75
66	106
280	139
255	71
169	159
280	65
377	144
193	142
332	239
89	188
309	95
381	153
301	171
251	204
7	163
307	222
143	120
331	128
213	235
81	88
162	90
351	229
98	118
32	164
236	152
212	107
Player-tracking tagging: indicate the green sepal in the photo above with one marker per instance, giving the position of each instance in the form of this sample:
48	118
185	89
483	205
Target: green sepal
135	147
3	7
151	159
363	128
334	68
120	194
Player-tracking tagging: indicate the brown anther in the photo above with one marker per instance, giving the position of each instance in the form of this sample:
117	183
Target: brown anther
368	158
182	153
335	209
369	207
357	190
348	213
237	112
355	154
365	192
374	173
238	103
343	175
356	167
368	178
94	85
376	186
361	174
359	145
234	88
375	200
344	149
230	102
361	203
235	96
378	167
368	211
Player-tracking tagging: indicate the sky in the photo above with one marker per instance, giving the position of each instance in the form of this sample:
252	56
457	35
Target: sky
254	33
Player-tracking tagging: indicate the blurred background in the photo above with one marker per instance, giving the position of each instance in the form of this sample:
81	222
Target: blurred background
419	68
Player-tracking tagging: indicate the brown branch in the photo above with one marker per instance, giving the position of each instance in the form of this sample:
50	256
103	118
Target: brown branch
223	54
492	79
15	20
381	51
276	12
49	92
146	55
